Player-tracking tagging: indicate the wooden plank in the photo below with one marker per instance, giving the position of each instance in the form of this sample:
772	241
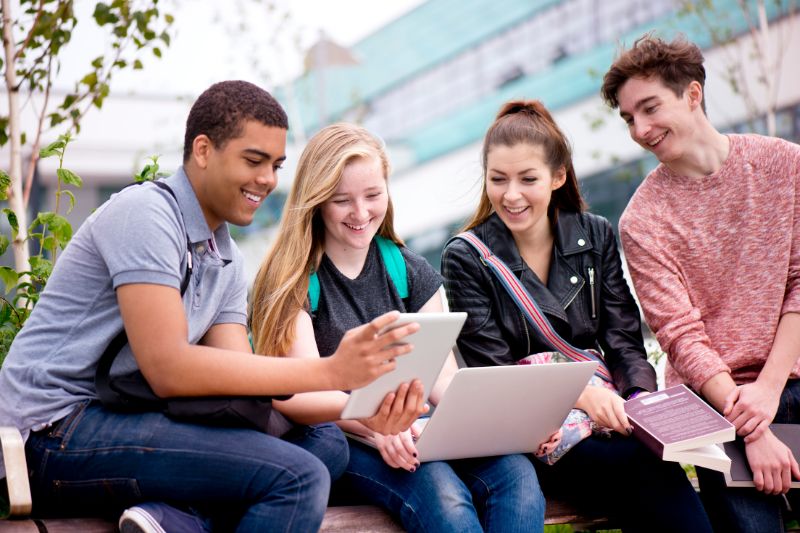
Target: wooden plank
58	525
19	489
361	518
18	526
346	519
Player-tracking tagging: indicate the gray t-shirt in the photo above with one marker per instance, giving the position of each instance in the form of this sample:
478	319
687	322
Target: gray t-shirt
346	303
138	236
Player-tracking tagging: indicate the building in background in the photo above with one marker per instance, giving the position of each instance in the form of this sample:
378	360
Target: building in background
430	82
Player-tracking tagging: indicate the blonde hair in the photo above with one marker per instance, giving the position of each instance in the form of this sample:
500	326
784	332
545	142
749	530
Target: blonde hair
281	285
529	121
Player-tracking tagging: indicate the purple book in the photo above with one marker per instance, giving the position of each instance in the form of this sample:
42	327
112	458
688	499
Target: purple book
677	425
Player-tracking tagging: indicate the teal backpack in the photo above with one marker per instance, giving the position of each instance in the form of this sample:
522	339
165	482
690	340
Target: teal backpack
392	260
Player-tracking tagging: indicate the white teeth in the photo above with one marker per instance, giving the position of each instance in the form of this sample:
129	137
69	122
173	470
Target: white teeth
356	228
252	197
659	139
516	210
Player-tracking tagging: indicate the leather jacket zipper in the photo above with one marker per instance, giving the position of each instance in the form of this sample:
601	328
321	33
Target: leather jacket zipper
527	335
591	291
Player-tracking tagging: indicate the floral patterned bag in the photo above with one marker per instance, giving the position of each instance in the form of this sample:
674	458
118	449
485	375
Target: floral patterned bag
577	426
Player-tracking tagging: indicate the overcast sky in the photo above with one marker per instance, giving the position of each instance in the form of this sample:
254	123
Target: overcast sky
257	40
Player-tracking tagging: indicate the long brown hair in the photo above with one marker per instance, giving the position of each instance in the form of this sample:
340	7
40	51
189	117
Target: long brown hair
529	122
281	285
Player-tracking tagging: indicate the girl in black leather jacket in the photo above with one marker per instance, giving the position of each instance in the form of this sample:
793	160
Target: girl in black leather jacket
531	216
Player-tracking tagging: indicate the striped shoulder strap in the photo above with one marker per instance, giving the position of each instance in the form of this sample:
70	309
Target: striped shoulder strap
392	259
528	305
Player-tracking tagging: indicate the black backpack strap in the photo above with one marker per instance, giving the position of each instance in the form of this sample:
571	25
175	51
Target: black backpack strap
102	380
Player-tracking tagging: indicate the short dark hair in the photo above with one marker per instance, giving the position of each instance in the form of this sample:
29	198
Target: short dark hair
676	64
222	109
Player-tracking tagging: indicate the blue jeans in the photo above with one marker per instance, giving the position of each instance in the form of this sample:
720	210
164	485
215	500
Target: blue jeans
96	461
499	494
745	509
619	477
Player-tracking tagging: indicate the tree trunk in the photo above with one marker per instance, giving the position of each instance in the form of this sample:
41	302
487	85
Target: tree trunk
15	196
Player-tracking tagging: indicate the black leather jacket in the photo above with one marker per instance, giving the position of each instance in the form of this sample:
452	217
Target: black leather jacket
586	299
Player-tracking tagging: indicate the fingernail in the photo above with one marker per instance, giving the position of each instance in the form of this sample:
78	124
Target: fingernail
629	430
413	470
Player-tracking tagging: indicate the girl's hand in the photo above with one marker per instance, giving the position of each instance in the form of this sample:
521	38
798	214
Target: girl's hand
549	445
605	408
398	451
399	409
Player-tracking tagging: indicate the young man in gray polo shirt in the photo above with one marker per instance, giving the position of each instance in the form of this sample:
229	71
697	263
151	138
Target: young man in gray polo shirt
125	267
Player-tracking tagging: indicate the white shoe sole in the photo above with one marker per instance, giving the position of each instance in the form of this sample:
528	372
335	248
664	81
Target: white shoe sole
136	520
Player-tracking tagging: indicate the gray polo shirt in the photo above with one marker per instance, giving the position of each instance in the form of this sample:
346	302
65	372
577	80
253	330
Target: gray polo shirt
138	236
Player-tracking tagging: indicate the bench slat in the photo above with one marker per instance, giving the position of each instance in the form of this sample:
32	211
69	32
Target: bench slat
19	489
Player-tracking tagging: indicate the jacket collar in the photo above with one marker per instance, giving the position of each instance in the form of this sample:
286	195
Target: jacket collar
570	239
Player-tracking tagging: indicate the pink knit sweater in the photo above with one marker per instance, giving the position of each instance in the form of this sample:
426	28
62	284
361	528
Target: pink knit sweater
716	261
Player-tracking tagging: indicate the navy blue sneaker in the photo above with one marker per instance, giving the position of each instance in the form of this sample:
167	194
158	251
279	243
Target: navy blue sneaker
157	517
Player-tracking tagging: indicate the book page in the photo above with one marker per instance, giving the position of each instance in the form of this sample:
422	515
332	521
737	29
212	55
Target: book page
675	415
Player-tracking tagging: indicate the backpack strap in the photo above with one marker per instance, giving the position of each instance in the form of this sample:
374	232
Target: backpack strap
395	265
520	295
102	378
313	291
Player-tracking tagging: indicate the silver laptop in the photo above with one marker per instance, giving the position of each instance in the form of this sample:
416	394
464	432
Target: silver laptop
501	410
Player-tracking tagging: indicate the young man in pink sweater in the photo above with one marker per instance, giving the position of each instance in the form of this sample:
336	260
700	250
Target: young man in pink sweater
712	240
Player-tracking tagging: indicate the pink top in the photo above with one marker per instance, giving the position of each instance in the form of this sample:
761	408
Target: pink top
716	261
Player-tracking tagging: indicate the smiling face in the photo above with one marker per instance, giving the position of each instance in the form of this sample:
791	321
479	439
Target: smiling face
355	211
519	185
237	176
658	120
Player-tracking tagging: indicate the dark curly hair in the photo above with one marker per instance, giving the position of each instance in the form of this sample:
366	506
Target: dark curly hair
222	109
676	64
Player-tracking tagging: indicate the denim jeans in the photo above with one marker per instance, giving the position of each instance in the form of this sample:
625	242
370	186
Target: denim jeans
745	509
498	494
621	478
96	461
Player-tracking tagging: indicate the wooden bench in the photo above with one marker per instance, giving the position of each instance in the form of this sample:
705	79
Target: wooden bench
359	518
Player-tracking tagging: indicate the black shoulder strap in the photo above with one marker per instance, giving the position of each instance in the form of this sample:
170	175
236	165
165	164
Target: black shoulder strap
102	374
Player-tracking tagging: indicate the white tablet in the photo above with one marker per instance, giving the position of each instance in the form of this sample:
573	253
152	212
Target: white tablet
432	343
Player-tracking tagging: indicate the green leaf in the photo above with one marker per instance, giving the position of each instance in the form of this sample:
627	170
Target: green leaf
5	183
169	18
49	242
69	100
68	177
10	277
164	37
5	313
157	51
56	119
54	148
62	231
71	197
4	242
137	65
98	62
90	80
12	221
41	267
